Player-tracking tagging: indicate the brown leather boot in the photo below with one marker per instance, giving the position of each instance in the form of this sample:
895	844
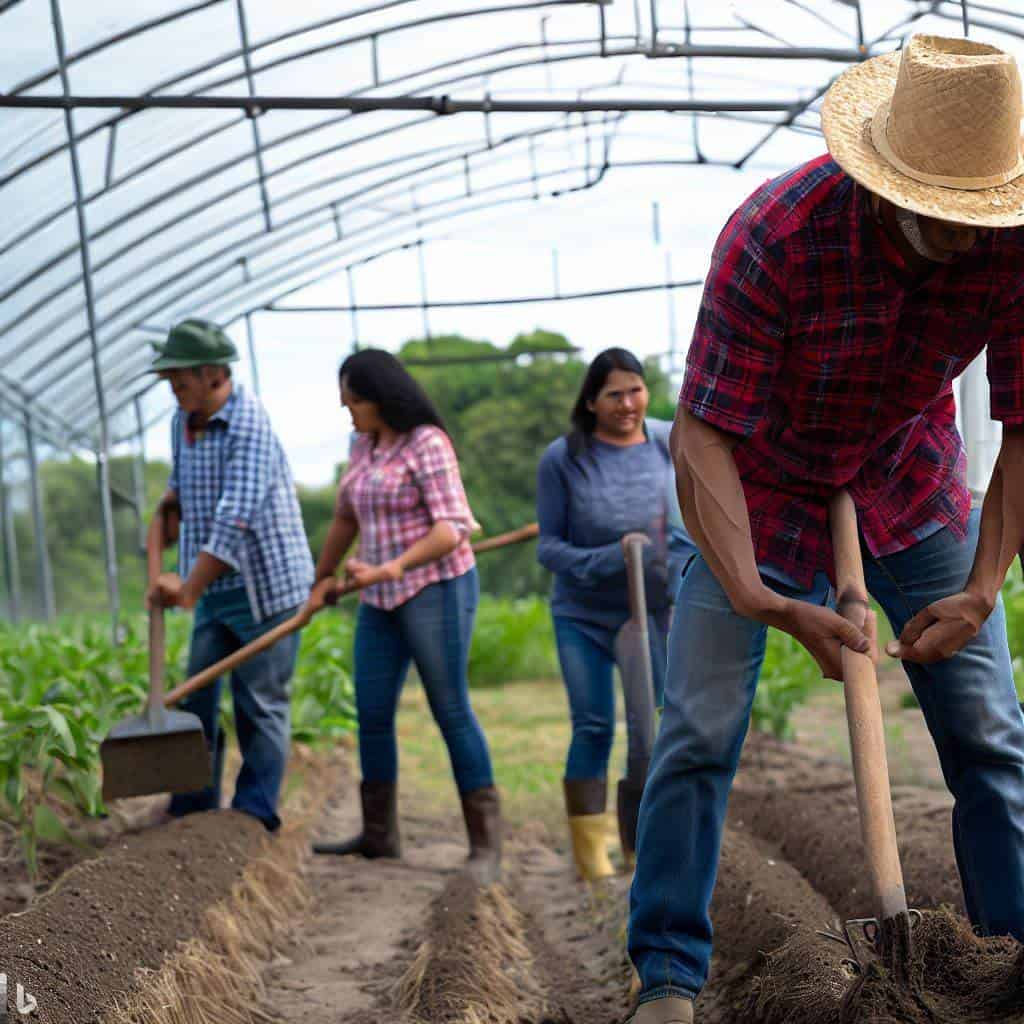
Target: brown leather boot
628	799
482	810
379	837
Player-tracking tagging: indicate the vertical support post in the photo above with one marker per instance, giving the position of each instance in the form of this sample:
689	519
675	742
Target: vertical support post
555	277
250	338
423	289
673	336
44	570
139	474
966	18
103	449
353	307
12	572
257	141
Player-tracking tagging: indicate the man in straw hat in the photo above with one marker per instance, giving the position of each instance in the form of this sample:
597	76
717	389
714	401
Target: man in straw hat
843	299
244	556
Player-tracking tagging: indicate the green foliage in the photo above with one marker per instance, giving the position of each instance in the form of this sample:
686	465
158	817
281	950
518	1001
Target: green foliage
63	687
512	640
787	678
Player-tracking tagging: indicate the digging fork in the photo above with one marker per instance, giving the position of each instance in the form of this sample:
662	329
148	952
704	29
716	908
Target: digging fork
889	930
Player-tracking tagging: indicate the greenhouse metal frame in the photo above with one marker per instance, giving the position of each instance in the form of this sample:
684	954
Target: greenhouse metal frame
133	196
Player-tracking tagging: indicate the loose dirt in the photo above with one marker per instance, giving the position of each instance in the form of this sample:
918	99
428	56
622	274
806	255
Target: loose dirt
411	941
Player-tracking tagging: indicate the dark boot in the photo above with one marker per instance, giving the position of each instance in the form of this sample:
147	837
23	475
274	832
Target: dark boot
628	808
379	837
482	810
585	801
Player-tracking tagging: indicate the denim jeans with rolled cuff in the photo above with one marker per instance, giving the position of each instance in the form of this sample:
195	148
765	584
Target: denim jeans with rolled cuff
969	704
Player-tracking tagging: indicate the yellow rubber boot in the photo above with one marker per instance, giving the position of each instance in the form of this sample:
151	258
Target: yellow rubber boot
588	827
589	833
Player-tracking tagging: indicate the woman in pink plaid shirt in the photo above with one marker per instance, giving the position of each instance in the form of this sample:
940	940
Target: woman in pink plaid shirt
403	495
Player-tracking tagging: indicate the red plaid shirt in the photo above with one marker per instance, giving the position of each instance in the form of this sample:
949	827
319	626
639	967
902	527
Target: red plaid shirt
814	346
396	495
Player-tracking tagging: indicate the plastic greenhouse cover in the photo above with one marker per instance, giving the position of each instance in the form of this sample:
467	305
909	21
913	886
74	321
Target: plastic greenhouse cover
212	212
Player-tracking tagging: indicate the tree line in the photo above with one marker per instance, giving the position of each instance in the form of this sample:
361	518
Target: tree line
502	404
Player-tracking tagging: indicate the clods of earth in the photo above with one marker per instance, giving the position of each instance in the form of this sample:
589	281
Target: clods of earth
413	941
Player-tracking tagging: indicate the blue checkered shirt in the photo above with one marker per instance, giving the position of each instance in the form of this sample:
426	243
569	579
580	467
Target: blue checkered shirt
238	503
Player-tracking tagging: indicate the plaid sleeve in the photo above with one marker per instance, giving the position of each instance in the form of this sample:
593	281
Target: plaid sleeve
249	472
436	473
738	341
1005	361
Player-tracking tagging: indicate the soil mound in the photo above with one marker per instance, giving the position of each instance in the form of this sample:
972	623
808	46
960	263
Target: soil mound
954	978
76	948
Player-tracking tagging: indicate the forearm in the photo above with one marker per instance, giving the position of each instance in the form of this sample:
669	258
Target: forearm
1001	534
340	535
206	569
440	540
715	512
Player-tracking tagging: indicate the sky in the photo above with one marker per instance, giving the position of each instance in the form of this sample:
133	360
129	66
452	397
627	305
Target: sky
600	238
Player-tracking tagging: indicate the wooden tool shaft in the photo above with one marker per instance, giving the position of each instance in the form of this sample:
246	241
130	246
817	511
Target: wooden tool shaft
634	544
157	639
864	718
300	619
524	533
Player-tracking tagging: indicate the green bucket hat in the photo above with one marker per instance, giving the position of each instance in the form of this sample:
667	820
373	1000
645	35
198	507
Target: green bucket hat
191	343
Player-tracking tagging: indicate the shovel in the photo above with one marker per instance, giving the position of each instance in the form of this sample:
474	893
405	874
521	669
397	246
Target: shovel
159	751
889	930
633	656
164	751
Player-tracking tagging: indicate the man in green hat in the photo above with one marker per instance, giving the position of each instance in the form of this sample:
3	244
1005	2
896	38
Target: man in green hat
243	557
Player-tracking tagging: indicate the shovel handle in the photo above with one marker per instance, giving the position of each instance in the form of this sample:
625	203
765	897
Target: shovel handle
298	621
864	718
157	640
633	544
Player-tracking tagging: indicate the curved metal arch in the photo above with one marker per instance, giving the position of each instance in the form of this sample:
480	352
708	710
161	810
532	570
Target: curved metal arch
415	215
45	333
70	251
170	83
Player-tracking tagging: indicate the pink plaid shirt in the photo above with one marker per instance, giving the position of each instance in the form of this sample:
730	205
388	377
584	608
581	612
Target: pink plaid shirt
396	495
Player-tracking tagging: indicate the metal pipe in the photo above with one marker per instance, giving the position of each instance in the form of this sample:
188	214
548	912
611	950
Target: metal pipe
12	572
250	337
557	296
44	570
440	105
103	450
257	143
139	474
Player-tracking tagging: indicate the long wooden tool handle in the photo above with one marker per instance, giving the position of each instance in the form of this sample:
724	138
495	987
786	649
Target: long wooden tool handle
157	659
864	718
300	619
524	533
634	544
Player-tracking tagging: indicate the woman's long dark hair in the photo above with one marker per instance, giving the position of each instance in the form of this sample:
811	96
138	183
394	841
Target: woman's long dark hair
378	377
582	419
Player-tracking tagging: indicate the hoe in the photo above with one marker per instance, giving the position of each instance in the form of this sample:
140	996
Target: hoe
164	751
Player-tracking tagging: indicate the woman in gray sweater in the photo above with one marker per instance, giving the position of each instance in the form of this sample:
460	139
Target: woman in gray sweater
610	476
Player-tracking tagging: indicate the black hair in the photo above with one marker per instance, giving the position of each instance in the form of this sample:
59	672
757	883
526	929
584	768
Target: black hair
582	419
378	377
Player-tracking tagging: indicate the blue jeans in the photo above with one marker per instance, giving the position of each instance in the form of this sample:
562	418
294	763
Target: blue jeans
260	692
969	704
586	653
432	629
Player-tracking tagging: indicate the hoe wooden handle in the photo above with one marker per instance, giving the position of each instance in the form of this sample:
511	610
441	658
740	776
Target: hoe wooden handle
504	539
864	718
301	618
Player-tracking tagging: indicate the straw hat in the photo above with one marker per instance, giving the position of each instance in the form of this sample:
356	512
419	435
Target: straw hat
934	128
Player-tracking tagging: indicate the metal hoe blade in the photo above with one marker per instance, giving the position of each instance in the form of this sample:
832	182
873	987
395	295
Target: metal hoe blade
141	756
